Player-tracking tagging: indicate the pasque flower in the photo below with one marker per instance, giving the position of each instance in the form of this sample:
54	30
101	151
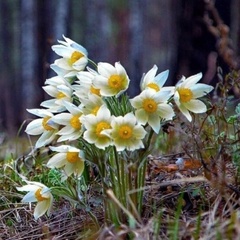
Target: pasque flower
38	192
112	81
72	127
126	133
95	124
43	126
156	82
186	94
74	56
68	157
152	107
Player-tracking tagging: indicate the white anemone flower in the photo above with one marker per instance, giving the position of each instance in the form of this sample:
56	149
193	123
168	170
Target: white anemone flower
38	192
112	81
69	158
84	86
156	82
186	93
92	104
126	133
72	129
43	126
152	107
95	124
74	56
60	93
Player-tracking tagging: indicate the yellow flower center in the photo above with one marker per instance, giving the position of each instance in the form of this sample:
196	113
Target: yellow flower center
95	110
125	132
60	95
185	94
154	86
75	57
75	122
39	196
115	81
95	91
45	124
72	157
100	127
149	105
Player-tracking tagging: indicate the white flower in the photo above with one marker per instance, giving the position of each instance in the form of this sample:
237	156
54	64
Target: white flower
92	104
72	129
74	56
126	132
95	124
151	81
186	94
38	192
112	81
84	87
152	107
60	90
43	126
71	158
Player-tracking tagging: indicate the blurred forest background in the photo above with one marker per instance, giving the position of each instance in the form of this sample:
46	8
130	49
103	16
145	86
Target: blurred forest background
184	36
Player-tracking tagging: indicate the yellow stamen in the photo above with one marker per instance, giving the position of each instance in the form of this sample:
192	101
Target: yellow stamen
95	91
154	86
100	127
75	122
75	57
185	94
45	124
125	132
60	95
72	157
149	105
39	196
115	81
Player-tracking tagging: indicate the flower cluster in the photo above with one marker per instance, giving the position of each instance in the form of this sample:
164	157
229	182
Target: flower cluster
81	106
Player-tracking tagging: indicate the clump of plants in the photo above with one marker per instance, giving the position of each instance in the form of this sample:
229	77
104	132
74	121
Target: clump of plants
100	139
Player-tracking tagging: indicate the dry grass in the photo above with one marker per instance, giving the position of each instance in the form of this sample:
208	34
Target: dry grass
184	204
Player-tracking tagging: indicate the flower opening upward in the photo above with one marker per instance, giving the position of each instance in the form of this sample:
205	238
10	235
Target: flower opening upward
152	107
95	126
38	192
126	132
112	81
186	94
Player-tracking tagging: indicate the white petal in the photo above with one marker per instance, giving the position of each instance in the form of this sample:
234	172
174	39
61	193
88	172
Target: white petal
58	160
196	106
41	208
35	127
201	89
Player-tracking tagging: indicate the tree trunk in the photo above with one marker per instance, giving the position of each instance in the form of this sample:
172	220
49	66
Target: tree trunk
29	57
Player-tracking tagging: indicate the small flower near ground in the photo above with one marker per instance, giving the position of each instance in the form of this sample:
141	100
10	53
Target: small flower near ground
126	133
186	94
151	81
152	107
74	56
43	126
72	129
95	124
68	157
38	192
112	81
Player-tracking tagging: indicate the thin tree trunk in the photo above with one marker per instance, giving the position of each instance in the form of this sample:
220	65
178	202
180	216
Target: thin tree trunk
29	56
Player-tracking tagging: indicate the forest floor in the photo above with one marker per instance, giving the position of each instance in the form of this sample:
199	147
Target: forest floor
180	202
